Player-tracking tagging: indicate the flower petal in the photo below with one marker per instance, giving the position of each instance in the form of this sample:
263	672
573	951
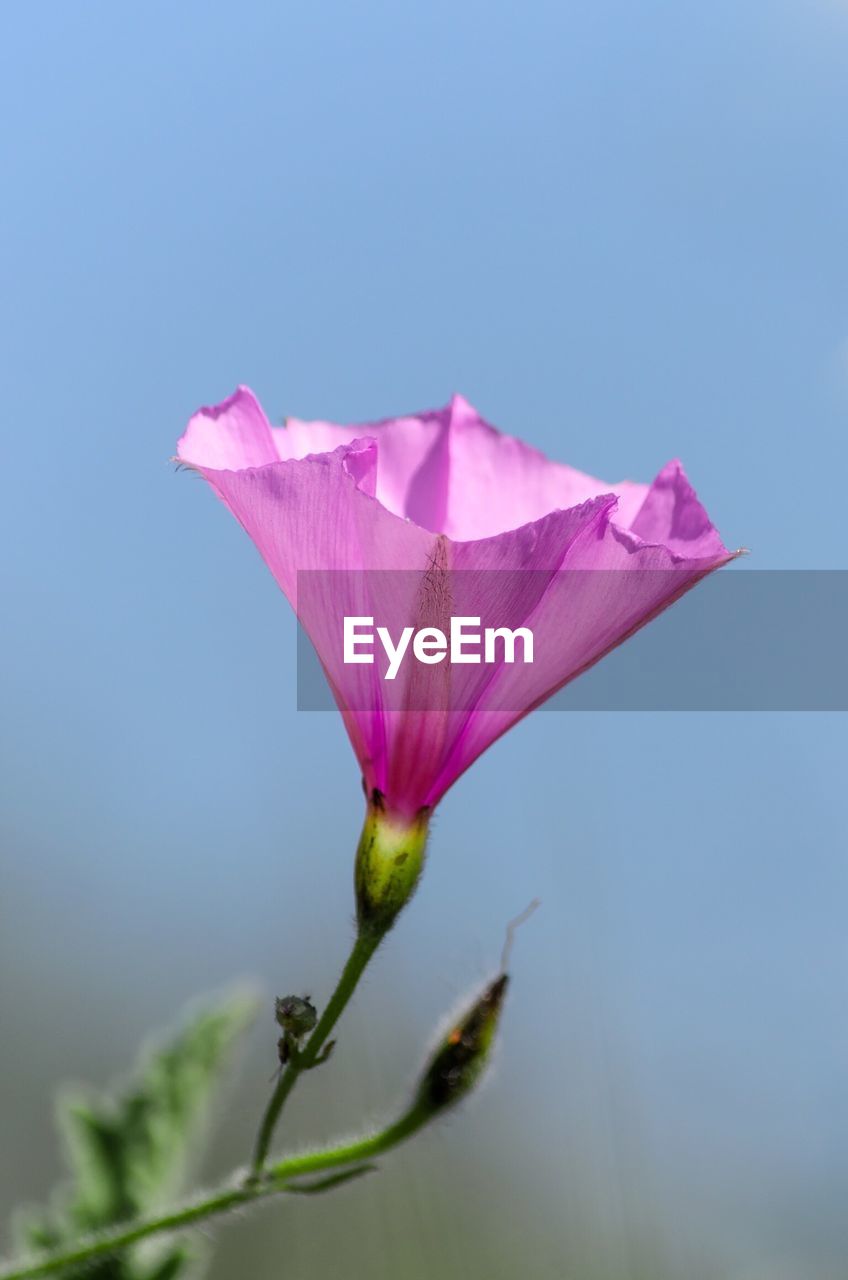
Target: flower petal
500	582
609	585
451	472
412	465
498	483
672	516
229	435
319	513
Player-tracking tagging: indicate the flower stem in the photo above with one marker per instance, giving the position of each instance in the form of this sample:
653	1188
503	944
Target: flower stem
361	1149
363	949
389	862
222	1201
112	1241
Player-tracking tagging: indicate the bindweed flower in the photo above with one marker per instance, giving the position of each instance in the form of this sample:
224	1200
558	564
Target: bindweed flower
426	519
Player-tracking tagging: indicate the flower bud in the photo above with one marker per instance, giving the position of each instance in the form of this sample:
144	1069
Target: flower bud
389	861
461	1057
296	1014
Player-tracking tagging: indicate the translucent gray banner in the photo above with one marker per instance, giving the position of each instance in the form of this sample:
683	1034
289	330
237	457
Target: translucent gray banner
739	640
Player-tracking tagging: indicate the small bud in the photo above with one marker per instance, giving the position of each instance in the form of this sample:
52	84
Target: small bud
296	1015
389	861
462	1056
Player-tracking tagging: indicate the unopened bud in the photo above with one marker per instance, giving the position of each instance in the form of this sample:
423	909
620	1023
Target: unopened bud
389	861
462	1055
296	1014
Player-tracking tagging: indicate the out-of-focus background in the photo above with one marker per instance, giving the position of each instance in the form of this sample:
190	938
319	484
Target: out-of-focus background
619	230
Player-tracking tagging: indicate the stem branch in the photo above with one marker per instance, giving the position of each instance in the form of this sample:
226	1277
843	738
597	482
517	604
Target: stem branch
363	949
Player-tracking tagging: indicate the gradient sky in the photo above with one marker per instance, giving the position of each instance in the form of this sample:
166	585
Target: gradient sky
620	231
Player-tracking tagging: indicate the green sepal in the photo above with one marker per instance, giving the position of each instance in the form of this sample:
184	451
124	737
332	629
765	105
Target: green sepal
389	862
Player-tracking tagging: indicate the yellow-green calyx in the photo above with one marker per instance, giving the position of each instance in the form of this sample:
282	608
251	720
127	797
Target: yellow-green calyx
389	861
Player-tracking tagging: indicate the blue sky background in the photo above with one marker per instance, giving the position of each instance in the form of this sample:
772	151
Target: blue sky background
620	231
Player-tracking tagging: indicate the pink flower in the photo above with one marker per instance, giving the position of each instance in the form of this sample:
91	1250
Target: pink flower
446	498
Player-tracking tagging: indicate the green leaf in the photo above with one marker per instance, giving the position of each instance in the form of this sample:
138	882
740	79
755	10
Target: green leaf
128	1151
174	1265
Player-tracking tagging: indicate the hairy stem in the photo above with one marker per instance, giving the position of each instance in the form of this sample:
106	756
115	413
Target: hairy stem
277	1181
388	864
363	949
351	1153
111	1241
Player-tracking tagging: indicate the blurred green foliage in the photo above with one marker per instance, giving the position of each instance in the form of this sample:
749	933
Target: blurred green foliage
129	1152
